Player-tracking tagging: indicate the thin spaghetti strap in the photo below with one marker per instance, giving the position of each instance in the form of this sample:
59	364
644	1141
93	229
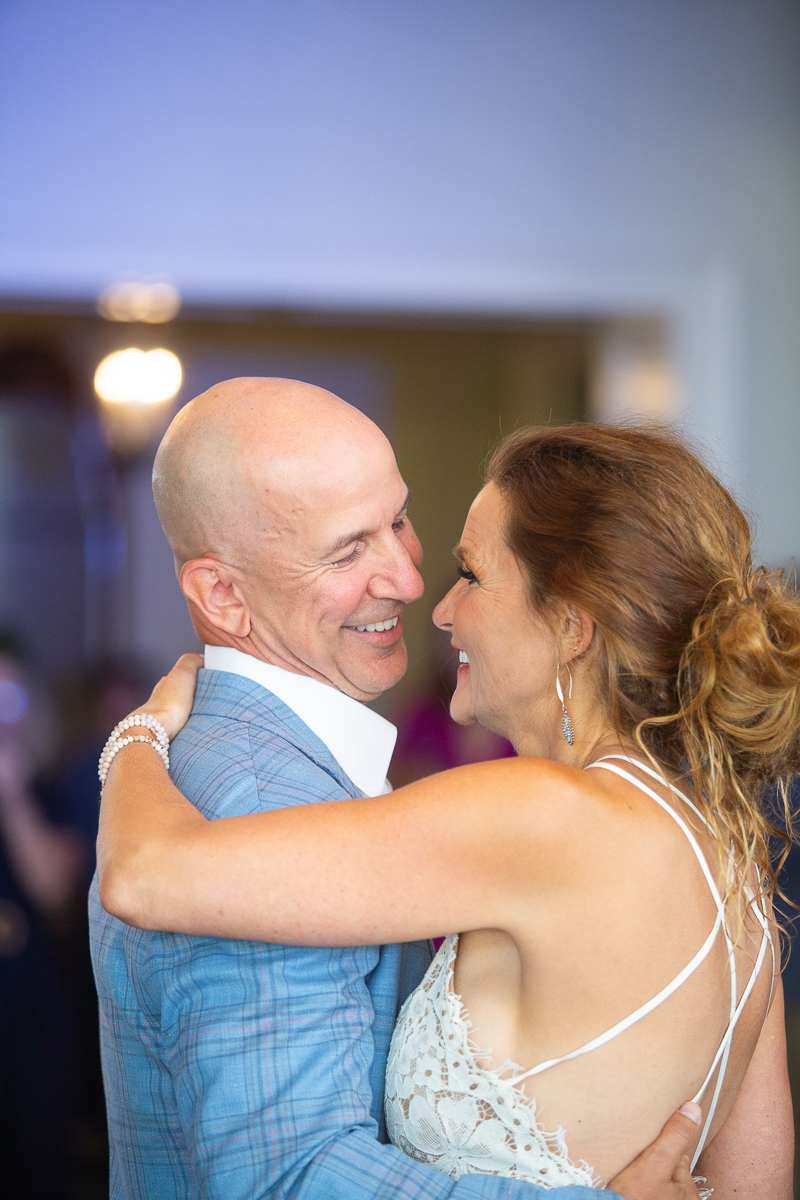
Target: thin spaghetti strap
605	765
724	1050
736	1009
722	1056
723	1053
687	971
659	779
636	1016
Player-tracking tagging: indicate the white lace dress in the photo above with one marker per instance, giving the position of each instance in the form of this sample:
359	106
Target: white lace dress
445	1110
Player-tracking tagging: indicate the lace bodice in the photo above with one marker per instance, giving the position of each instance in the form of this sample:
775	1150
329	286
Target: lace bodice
442	1108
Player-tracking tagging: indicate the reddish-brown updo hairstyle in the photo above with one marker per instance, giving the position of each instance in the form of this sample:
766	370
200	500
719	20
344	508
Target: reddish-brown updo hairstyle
697	654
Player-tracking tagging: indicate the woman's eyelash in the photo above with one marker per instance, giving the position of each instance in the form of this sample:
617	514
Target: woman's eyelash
465	573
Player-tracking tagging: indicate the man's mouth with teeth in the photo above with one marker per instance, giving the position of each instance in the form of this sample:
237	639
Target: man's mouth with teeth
377	626
462	656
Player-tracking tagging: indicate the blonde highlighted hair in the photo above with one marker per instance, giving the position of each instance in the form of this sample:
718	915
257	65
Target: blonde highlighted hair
697	652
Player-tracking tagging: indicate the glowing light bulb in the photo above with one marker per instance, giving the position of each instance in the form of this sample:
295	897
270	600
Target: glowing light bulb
138	377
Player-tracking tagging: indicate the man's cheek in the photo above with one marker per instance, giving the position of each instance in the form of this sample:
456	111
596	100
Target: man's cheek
344	600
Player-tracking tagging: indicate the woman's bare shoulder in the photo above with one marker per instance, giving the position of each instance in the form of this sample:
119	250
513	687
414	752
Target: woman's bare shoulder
515	771
526	793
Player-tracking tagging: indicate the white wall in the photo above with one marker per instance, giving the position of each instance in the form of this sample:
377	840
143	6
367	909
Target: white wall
592	156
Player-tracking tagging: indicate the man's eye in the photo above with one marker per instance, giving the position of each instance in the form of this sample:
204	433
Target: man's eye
465	573
398	525
343	562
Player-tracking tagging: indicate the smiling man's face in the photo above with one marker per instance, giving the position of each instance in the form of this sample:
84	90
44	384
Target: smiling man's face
327	588
287	516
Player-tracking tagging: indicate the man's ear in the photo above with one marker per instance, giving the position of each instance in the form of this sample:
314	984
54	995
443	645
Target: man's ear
215	597
578	633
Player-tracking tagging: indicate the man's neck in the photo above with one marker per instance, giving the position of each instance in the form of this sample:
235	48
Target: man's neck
264	652
278	656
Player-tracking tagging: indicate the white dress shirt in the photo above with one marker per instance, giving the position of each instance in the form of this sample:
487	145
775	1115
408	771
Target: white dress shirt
361	741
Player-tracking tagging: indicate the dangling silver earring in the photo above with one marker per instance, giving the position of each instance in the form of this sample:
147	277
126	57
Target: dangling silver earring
566	724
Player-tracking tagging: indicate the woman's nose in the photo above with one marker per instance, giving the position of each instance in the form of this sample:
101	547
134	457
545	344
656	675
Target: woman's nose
443	613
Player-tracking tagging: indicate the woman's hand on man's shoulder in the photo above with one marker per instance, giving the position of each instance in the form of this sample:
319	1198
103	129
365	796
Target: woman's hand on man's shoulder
170	701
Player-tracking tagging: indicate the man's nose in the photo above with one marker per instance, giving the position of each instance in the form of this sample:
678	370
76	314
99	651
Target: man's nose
399	577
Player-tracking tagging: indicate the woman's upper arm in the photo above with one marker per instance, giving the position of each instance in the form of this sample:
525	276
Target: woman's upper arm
752	1155
435	857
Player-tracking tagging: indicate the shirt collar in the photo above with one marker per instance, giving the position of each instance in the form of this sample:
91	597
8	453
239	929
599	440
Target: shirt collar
359	739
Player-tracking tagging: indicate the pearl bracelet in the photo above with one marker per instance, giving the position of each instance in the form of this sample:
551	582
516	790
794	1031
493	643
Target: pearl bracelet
160	741
148	722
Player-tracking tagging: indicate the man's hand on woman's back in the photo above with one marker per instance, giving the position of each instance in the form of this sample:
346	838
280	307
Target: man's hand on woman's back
661	1172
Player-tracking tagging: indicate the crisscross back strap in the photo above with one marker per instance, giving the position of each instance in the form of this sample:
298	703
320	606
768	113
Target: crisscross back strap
607	765
723	1052
621	1026
690	967
634	762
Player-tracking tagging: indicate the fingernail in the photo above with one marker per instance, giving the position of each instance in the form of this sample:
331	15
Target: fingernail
693	1111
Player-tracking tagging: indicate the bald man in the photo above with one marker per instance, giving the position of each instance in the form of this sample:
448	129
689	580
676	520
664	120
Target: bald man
237	1070
286	514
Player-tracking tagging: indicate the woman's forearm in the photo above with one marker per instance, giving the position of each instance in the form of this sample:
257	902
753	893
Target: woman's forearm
141	814
140	807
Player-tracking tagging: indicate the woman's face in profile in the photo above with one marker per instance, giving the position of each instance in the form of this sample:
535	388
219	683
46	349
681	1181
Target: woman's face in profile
508	685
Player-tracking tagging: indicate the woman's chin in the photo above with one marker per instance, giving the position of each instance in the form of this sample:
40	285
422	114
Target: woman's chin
461	708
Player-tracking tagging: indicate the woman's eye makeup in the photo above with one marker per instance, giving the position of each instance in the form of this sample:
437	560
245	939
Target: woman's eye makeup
465	573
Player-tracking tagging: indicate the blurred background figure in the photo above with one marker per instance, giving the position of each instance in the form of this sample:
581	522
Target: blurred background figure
90	702
52	1116
790	883
462	217
42	868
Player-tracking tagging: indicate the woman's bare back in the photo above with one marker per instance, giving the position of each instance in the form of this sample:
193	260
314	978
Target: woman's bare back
634	911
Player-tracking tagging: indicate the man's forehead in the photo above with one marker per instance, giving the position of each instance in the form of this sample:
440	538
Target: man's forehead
332	499
318	518
308	476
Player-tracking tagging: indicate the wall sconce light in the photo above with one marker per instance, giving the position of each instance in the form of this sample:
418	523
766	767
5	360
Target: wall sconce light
135	388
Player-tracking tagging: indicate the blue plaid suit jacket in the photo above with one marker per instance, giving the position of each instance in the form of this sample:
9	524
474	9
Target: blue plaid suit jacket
237	1070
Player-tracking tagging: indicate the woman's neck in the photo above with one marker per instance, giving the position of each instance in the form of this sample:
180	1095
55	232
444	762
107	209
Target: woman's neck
593	740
